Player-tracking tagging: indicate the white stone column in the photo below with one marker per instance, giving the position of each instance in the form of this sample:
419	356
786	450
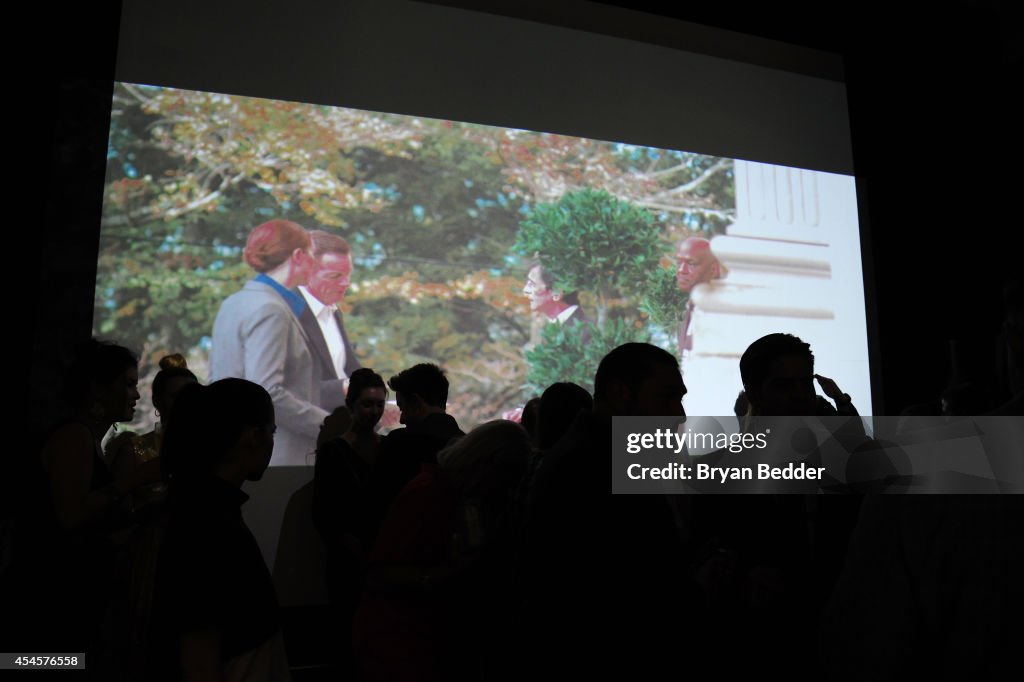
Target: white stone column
792	260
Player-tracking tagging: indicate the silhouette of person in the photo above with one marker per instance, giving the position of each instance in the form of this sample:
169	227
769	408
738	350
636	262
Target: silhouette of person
345	454
437	583
421	392
133	450
586	550
73	539
141	552
215	599
778	380
341	483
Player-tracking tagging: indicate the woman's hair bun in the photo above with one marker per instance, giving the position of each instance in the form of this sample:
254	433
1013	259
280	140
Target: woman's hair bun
173	361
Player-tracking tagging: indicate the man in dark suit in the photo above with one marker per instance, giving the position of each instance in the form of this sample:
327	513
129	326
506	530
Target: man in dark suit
321	319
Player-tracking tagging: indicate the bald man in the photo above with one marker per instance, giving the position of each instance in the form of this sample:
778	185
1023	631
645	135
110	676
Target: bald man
695	264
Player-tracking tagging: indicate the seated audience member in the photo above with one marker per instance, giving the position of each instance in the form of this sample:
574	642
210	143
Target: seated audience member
422	396
215	598
438	592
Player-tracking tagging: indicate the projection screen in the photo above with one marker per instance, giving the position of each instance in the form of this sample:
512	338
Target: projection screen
454	152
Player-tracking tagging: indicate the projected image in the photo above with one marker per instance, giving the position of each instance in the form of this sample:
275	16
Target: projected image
292	243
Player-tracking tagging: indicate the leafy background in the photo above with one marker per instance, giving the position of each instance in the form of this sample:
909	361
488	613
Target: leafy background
445	219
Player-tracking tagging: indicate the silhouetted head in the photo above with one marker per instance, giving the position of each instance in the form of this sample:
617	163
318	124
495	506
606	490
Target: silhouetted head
695	263
276	243
530	418
638	379
778	376
544	297
741	406
491	459
330	276
559	405
420	390
365	398
173	376
225	429
103	380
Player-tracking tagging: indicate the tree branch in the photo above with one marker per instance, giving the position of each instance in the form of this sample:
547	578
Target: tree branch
719	165
148	213
676	208
665	172
204	200
134	92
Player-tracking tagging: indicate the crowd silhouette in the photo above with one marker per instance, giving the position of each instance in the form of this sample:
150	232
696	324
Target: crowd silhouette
500	553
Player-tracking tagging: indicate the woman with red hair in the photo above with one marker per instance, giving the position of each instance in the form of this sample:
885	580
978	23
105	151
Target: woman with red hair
257	336
282	249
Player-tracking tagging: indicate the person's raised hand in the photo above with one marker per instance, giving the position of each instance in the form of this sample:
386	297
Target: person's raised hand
832	390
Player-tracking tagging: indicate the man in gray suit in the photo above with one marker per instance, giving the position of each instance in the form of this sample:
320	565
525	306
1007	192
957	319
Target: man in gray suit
322	321
257	336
